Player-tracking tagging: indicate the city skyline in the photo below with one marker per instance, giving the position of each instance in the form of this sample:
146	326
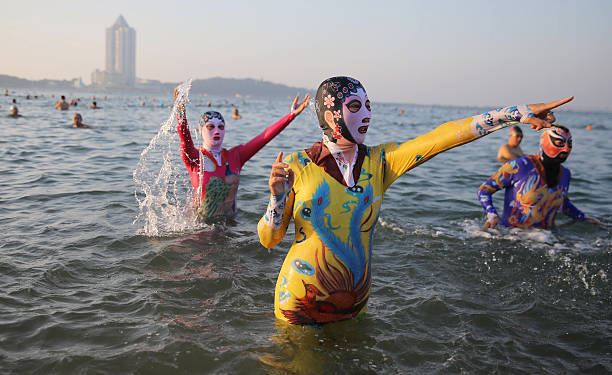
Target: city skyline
442	52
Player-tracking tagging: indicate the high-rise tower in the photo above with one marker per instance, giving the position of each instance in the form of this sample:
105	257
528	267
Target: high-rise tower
120	54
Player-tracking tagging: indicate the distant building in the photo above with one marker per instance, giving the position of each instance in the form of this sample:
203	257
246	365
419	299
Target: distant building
77	83
120	57
97	78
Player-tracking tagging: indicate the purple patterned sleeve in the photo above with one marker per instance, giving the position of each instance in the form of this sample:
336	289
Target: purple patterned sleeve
501	179
572	211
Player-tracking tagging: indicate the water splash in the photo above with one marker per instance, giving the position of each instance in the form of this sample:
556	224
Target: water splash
162	187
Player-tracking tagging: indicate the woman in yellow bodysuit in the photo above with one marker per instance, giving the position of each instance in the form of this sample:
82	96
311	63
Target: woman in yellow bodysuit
334	190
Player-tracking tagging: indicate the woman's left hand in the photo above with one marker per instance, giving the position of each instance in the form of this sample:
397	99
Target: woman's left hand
593	220
297	109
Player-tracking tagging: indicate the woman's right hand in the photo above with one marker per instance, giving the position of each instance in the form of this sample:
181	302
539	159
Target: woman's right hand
297	109
491	223
281	177
181	104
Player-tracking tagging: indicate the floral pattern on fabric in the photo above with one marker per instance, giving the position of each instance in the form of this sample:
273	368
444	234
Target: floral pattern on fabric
493	120
528	201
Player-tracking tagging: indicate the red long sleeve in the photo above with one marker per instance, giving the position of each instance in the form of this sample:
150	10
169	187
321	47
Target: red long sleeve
189	153
253	146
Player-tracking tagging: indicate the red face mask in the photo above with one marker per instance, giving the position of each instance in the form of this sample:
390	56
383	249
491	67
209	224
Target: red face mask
556	143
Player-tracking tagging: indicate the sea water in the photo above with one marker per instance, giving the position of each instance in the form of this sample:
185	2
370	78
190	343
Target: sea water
103	269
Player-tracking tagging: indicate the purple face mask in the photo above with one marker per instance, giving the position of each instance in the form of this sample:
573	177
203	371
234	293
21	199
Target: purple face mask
357	113
344	101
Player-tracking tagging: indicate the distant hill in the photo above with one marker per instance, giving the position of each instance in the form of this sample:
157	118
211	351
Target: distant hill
15	82
211	86
246	86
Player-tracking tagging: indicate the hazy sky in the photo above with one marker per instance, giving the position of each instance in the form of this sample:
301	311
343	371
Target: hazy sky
429	52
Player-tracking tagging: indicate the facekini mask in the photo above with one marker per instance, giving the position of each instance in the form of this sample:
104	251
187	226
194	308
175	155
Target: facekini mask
343	109
556	144
212	128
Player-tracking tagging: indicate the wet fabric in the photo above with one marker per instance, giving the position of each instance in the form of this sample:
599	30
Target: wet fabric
215	179
528	200
326	275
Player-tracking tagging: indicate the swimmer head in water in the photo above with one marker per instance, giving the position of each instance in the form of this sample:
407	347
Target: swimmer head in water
212	129
343	109
556	144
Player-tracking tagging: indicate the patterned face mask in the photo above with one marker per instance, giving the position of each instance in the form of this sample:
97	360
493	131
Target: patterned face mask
212	128
556	143
343	100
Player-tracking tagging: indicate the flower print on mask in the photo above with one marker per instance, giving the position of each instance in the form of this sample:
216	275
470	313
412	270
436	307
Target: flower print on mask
342	88
212	129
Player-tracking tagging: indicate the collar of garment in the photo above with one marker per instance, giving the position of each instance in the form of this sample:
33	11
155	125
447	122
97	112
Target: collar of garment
215	155
345	165
321	156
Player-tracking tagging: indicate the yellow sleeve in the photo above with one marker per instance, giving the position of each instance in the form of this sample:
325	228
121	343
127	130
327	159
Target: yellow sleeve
273	225
402	157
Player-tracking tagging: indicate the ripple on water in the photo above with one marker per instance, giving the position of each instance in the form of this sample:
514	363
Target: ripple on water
84	290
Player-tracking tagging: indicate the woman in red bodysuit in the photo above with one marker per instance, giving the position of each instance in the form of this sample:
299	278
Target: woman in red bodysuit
215	171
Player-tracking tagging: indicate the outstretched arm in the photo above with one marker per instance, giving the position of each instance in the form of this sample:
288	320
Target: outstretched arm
401	157
189	153
253	146
273	225
572	211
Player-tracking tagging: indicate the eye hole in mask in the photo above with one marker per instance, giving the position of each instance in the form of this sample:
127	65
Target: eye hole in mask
354	106
558	142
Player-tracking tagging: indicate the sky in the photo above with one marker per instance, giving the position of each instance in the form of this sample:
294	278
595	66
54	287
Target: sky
469	52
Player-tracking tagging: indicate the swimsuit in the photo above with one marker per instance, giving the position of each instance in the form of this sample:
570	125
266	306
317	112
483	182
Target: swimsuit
215	184
326	275
528	201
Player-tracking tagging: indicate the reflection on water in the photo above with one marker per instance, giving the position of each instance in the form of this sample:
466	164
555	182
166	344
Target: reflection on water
86	288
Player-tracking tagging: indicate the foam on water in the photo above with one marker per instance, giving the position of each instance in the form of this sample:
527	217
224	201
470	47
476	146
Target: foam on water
473	229
163	189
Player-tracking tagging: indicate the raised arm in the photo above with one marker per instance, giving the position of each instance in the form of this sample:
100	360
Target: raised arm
189	153
253	146
272	227
401	157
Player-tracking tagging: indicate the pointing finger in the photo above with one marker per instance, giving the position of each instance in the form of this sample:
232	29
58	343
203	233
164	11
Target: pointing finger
543	107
